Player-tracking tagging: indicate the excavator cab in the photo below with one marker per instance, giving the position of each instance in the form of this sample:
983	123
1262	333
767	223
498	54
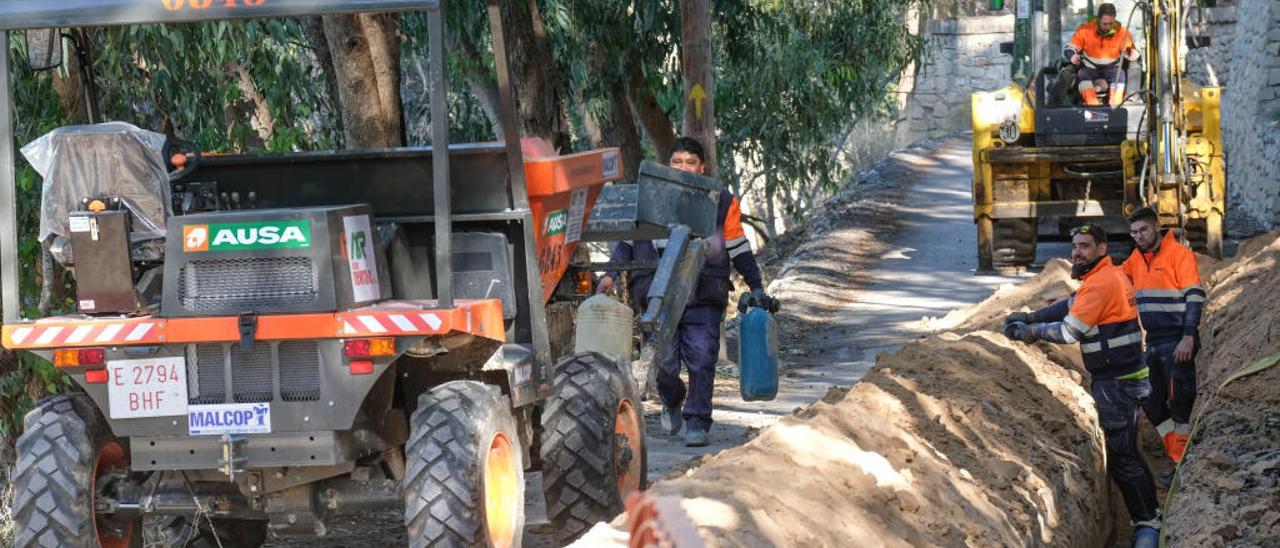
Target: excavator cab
1063	119
1045	162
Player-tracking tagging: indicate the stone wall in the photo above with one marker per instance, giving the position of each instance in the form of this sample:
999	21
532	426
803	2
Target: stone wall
1211	66
1251	110
964	57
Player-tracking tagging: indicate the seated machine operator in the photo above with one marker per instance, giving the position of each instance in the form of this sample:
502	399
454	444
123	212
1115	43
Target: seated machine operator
1097	48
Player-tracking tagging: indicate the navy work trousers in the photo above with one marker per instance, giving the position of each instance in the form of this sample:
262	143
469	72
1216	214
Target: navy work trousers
1173	385
1118	403
1111	73
697	346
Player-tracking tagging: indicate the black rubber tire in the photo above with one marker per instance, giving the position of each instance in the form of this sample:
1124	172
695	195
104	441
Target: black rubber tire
444	489
1015	242
53	478
580	454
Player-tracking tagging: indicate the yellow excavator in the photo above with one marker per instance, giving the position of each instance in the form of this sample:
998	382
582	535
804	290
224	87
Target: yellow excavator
1044	162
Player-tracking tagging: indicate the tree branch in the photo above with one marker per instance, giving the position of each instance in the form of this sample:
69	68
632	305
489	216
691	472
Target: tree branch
656	123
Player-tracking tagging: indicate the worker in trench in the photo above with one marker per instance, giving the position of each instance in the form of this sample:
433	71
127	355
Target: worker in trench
1170	303
1102	316
1097	48
697	341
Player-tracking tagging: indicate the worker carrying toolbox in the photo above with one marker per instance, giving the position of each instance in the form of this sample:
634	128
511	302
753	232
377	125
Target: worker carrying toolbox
1097	47
697	343
1170	302
1103	317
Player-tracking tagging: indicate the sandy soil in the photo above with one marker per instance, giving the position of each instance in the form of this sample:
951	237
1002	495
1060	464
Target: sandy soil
1228	491
958	439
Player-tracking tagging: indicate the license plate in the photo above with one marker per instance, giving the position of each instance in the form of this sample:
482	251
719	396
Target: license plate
230	418
148	387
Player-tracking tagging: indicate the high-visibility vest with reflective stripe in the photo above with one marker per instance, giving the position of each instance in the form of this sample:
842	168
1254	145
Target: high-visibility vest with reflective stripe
1104	317
1168	285
1099	50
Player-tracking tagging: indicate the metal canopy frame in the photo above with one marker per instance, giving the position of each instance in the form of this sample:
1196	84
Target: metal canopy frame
23	14
31	14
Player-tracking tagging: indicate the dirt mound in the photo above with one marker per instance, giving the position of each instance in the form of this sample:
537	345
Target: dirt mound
954	440
1229	483
1051	284
931	448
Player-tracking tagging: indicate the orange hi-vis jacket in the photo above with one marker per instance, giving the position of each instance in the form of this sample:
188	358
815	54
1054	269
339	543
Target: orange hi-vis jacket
1170	296
1103	316
1097	50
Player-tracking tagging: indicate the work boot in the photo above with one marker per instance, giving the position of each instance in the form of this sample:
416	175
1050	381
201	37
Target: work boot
671	420
1090	96
1175	444
696	437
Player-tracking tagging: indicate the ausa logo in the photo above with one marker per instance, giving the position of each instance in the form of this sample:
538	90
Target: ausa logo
244	236
557	221
195	238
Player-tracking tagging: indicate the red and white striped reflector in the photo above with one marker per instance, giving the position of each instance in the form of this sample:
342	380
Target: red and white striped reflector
392	323
99	333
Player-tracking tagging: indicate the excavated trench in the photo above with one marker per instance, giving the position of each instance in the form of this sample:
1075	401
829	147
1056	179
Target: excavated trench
963	438
960	438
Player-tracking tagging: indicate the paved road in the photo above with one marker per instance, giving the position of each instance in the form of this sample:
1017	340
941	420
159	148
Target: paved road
929	271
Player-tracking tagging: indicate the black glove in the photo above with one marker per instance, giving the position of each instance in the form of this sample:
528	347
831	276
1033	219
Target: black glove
1019	331
1020	317
758	299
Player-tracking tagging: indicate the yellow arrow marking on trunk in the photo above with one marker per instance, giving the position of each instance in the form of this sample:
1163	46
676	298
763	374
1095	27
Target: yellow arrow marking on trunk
697	94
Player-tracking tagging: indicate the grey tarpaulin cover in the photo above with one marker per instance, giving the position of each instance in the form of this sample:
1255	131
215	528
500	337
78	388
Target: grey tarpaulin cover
111	159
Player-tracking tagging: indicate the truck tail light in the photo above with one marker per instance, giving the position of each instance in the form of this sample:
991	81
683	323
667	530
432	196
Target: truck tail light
71	357
361	367
367	348
583	282
95	376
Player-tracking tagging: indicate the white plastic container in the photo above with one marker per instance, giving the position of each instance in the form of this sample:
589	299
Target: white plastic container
605	326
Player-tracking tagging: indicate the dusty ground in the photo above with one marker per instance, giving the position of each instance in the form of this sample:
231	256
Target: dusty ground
1229	483
958	439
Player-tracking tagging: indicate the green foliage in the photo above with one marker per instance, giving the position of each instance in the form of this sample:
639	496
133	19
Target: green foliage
793	74
186	73
599	42
37	111
467	120
28	377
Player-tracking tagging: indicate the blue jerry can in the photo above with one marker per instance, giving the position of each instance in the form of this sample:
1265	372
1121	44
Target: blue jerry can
758	355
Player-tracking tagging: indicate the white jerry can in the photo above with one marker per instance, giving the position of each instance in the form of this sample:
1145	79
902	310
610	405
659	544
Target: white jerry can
605	326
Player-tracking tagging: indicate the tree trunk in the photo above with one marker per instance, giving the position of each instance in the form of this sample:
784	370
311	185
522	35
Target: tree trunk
617	128
366	62
536	78
254	103
313	28
71	94
699	76
657	125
